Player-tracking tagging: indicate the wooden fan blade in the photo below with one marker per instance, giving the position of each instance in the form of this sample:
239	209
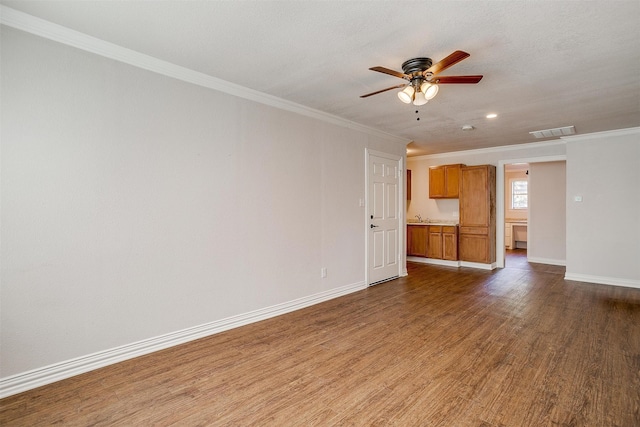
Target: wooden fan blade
456	79
390	72
383	90
447	62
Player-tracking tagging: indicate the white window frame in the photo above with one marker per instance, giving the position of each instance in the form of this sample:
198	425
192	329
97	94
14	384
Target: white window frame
512	193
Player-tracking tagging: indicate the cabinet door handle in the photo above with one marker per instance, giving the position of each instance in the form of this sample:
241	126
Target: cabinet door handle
374	226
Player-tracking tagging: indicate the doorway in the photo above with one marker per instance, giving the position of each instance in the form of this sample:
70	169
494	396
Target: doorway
516	206
500	210
384	217
516	258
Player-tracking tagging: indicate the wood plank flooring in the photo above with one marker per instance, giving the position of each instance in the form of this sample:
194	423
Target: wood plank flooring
518	347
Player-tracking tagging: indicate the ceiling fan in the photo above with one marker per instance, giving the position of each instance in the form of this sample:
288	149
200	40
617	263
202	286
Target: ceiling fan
423	77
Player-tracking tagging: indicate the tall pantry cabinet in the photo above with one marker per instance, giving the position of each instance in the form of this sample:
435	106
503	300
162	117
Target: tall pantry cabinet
477	239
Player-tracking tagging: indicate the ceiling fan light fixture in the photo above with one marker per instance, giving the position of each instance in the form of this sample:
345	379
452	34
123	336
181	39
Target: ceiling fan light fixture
430	90
419	99
406	95
423	77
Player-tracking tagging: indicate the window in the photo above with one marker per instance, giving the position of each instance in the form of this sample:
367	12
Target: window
519	196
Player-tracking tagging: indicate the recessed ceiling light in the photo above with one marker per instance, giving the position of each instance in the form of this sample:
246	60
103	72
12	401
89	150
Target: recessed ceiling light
492	116
467	127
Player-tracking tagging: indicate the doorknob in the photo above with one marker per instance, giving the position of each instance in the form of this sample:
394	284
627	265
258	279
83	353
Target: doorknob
374	226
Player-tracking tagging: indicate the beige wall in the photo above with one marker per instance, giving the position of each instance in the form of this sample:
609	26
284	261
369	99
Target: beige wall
603	230
136	205
547	213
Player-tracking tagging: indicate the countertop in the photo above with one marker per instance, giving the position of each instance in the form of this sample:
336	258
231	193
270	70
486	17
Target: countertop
433	222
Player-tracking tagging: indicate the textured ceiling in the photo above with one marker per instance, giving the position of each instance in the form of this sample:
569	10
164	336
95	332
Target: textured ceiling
546	64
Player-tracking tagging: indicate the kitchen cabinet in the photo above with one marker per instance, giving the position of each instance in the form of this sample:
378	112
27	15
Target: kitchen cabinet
434	246
443	242
433	241
444	181
417	240
477	239
450	243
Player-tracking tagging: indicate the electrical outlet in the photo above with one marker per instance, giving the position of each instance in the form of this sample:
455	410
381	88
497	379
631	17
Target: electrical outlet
456	214
323	272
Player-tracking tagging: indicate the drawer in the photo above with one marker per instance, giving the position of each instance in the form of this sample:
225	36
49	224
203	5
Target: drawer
448	229
435	229
474	230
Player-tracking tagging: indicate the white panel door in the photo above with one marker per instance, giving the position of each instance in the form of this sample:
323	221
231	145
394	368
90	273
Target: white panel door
384	218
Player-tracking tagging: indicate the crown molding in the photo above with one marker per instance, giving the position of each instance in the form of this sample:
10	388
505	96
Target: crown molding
489	150
40	27
604	134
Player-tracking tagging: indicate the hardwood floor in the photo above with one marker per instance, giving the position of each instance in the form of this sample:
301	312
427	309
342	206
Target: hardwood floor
518	346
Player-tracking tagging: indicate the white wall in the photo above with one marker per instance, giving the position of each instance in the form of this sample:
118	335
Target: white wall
603	231
135	205
547	213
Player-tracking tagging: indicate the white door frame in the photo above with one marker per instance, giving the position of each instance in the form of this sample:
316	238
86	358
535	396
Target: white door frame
500	251
400	204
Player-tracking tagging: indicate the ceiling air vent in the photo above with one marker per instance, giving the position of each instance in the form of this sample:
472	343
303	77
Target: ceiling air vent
548	133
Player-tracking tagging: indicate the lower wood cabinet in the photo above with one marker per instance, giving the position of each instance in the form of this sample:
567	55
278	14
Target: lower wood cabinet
434	246
450	243
475	248
433	241
417	240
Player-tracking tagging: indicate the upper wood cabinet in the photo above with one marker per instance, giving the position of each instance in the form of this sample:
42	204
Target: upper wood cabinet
478	194
444	181
477	241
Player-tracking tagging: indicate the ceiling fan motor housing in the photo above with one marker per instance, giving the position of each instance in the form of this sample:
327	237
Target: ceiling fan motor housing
416	65
415	68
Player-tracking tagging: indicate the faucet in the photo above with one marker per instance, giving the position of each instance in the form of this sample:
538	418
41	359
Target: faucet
419	218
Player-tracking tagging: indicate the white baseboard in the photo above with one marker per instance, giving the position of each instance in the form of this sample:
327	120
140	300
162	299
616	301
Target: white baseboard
613	281
448	263
481	266
59	371
547	261
434	261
